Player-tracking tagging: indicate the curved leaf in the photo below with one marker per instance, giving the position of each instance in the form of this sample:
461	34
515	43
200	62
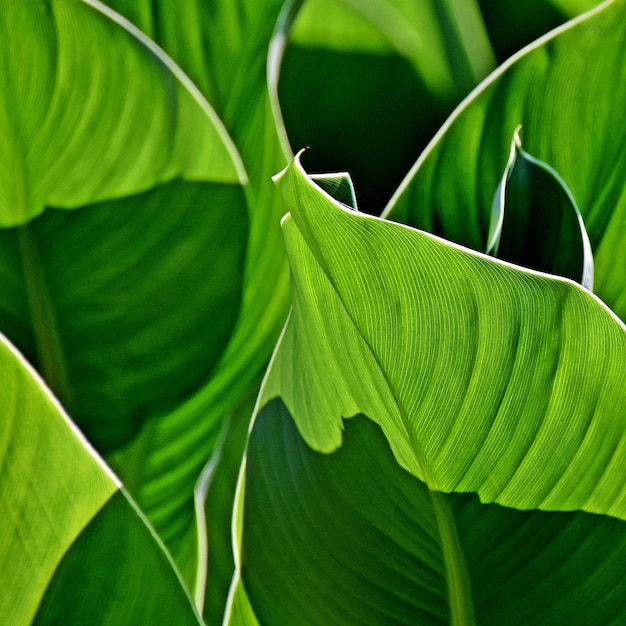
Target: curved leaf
484	378
516	350
82	126
65	520
535	221
351	538
567	92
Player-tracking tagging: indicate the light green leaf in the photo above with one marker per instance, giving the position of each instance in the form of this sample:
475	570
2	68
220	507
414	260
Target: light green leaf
82	126
513	347
566	91
74	548
535	221
502	411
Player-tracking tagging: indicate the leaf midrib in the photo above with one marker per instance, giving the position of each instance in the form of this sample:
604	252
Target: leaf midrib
50	352
457	577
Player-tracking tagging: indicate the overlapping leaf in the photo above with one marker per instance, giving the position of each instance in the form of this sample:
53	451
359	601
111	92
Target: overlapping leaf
351	538
223	46
64	520
567	92
485	379
126	303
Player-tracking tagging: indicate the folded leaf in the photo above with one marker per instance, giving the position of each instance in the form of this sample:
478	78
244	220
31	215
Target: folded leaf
535	221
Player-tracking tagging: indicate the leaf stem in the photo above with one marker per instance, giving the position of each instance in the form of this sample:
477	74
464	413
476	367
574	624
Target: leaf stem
52	364
459	589
467	44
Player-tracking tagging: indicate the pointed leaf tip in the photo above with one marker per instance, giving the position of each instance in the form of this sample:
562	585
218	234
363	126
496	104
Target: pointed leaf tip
535	221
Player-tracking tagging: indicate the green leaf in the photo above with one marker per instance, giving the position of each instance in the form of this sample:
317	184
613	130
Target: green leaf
539	338
232	50
445	42
535	221
82	126
566	91
351	538
499	390
74	548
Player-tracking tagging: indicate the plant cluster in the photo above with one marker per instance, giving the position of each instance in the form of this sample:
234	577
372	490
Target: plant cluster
236	392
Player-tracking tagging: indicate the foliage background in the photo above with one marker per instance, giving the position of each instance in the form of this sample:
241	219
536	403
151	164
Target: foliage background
144	275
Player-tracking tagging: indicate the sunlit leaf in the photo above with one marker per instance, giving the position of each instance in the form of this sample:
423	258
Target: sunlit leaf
502	412
74	549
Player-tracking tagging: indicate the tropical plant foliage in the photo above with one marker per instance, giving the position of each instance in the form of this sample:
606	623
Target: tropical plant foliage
440	436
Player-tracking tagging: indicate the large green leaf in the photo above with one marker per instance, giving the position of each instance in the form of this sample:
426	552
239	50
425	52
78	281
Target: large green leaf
82	126
125	303
111	300
74	549
232	50
500	394
567	92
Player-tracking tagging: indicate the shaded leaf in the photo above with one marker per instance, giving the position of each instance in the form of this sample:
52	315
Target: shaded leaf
128	286
535	221
377	78
351	538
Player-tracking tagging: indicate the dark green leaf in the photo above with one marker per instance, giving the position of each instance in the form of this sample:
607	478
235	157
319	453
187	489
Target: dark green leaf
535	221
